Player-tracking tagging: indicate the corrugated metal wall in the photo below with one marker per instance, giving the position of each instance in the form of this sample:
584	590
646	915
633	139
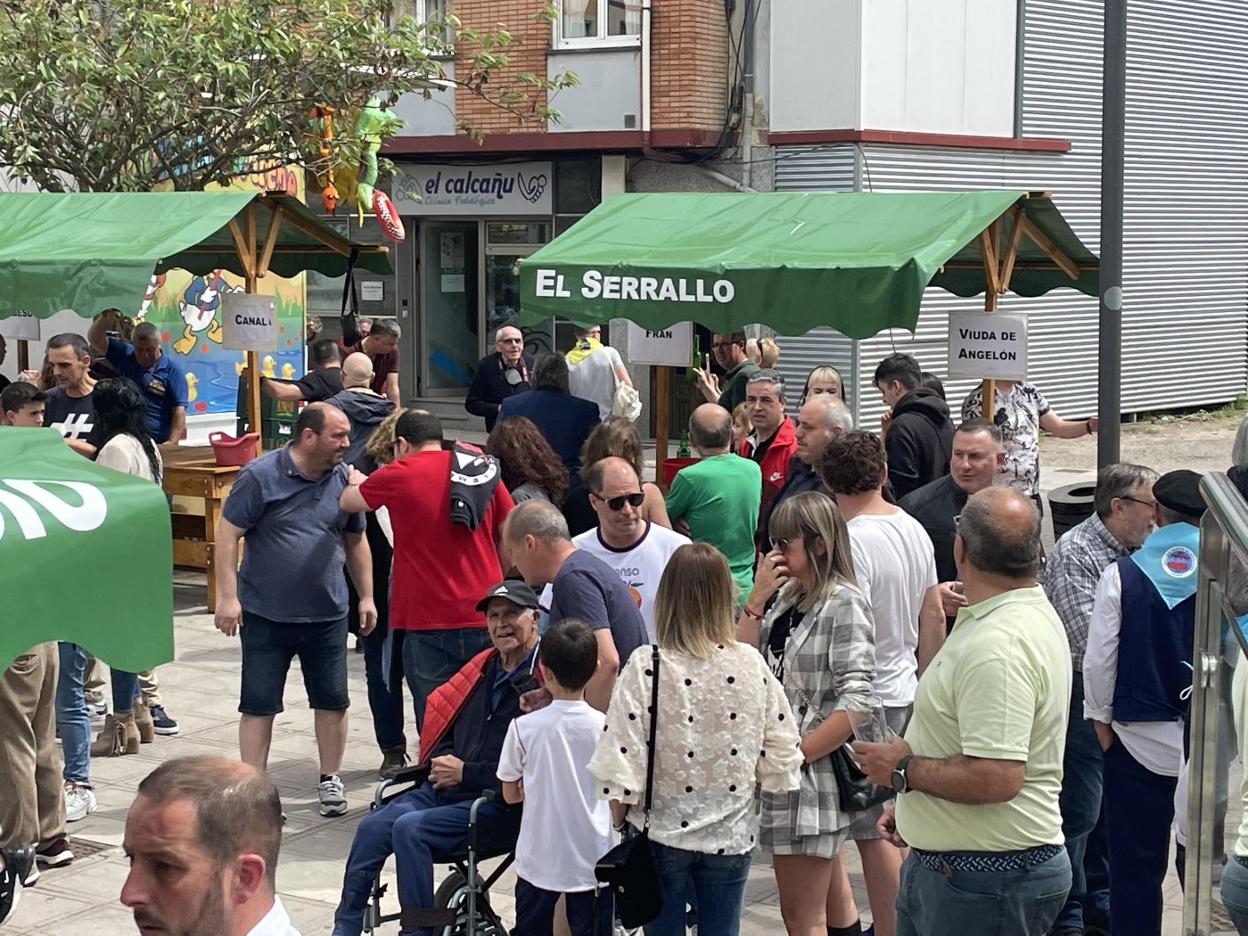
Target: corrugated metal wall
1185	339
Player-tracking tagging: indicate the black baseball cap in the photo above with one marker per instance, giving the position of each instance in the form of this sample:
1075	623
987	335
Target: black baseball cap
515	591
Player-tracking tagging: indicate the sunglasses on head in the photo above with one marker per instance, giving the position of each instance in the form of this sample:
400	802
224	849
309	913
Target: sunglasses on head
617	503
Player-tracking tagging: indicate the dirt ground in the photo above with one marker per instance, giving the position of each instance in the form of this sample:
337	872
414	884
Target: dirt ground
1200	442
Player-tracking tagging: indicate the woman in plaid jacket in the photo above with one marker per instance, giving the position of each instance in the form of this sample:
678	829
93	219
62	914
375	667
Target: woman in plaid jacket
818	638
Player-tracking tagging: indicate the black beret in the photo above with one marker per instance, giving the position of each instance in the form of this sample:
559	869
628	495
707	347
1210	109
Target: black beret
1180	491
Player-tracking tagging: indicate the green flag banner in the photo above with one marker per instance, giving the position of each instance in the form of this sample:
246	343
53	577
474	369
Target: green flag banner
85	555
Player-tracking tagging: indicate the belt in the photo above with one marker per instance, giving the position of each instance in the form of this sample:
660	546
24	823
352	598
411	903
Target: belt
948	862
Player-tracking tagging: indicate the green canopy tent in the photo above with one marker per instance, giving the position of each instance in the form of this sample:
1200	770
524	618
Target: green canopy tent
858	262
87	552
89	251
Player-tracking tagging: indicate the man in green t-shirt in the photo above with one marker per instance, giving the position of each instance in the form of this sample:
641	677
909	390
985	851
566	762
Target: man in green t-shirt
730	355
716	499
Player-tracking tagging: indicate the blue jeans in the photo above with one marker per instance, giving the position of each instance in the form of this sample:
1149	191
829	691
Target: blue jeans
415	827
385	704
72	719
1139	807
1083	822
125	689
1235	893
588	912
985	903
431	657
715	882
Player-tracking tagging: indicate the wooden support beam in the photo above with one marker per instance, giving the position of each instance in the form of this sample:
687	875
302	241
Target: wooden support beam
988	251
23	354
340	247
240	247
662	394
275	226
1041	240
1011	250
253	358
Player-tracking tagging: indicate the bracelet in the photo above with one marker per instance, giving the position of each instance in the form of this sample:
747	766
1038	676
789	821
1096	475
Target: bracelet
750	612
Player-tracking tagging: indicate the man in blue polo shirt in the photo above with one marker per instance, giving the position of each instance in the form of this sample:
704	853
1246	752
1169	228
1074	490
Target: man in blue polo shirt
159	376
290	597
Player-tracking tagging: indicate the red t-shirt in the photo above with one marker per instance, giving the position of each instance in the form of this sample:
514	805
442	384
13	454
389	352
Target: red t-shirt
441	569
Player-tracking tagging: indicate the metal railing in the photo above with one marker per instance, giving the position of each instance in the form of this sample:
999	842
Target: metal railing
1223	530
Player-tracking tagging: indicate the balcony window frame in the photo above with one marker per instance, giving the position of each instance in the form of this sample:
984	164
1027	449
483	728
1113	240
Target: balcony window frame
559	42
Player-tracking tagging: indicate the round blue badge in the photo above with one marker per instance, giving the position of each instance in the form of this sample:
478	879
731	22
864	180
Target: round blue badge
1179	561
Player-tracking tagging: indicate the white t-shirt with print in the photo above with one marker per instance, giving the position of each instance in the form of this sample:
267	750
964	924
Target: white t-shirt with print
895	566
593	378
1017	414
565	827
640	566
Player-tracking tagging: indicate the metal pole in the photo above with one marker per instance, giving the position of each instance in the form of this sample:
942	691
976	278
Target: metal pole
1113	122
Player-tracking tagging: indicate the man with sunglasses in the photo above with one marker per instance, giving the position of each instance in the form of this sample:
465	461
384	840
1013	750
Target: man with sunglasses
636	549
730	355
1123	518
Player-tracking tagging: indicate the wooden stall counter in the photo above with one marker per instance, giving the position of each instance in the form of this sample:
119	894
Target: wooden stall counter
192	471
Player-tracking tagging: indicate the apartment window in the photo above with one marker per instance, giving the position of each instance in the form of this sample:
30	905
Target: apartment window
588	23
420	9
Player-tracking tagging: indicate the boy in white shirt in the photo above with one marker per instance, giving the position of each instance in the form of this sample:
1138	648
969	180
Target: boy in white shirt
566	828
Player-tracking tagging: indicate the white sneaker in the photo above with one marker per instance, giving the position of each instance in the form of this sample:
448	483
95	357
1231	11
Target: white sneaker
97	711
333	796
79	801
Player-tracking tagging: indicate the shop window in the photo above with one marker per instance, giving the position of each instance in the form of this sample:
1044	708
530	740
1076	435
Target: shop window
590	23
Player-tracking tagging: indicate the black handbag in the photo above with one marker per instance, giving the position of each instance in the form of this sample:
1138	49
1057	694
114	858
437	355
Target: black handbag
854	792
628	870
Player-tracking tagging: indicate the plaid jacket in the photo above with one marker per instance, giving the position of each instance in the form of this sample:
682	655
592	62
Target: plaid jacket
829	666
1069	578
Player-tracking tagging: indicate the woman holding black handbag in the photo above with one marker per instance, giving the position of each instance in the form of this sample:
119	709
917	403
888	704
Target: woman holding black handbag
723	727
818	639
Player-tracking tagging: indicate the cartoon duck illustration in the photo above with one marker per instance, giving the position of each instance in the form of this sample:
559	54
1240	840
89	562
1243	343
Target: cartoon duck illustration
267	368
191	392
288	371
240	365
199	305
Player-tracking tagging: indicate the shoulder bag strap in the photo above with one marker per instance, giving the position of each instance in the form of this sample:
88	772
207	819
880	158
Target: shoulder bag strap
349	297
654	720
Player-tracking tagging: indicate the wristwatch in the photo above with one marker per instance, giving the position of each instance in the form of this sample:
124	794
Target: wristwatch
897	779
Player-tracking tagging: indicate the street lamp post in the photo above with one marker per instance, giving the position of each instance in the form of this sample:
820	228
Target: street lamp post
1113	123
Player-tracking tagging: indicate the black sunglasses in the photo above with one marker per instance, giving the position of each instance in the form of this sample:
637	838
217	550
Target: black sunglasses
617	503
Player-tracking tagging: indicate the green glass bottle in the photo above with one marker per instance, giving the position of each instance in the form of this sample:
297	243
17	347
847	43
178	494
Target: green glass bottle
683	451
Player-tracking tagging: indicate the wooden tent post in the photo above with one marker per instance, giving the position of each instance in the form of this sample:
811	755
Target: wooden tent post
997	274
23	354
662	396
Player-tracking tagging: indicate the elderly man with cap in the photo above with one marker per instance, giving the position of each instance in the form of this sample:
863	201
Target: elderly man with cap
461	740
1137	673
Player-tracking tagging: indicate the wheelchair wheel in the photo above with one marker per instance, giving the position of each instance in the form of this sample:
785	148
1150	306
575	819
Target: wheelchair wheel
452	894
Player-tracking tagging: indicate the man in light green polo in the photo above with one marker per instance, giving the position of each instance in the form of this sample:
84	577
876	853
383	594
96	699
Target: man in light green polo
979	771
717	498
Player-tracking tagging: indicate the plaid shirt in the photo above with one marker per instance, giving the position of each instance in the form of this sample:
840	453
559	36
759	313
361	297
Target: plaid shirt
1070	575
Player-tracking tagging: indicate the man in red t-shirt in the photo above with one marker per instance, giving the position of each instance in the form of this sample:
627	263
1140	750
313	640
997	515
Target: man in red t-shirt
381	344
441	568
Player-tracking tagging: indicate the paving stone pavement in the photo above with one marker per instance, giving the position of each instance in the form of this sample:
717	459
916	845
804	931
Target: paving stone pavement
200	690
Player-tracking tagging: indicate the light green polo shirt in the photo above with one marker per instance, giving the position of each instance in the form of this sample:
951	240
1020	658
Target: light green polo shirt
719	497
999	688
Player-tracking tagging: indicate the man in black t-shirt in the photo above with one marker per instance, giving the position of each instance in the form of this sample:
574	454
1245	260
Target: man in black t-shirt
70	409
320	383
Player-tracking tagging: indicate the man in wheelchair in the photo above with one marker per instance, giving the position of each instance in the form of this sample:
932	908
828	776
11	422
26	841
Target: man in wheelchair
465	724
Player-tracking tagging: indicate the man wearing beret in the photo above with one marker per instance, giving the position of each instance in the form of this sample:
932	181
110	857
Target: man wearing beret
1137	673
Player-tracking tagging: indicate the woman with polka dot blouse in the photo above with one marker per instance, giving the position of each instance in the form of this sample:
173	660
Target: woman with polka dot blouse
724	726
817	636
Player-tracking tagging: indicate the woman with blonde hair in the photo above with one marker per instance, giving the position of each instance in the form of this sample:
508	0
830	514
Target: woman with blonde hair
724	725
741	427
823	379
818	638
617	436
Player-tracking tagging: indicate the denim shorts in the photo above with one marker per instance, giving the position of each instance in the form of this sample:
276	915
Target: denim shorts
268	648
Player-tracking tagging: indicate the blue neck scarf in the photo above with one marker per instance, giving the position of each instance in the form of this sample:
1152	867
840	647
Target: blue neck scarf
1168	559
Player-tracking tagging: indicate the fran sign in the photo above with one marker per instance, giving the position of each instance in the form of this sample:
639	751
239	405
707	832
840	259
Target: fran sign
249	322
507	189
987	346
672	346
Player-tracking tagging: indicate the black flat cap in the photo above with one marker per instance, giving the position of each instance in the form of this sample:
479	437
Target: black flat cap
1180	491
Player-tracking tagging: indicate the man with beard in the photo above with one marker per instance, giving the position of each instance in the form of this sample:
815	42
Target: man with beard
202	837
499	375
290	594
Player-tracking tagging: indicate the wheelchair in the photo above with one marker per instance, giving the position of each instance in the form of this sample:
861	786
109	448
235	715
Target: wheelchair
461	904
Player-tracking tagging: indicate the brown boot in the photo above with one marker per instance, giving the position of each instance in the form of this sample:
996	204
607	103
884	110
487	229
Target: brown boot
143	721
118	736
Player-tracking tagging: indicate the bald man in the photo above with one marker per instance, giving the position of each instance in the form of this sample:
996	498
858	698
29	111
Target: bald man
290	595
979	771
364	407
218	822
636	549
716	499
499	375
